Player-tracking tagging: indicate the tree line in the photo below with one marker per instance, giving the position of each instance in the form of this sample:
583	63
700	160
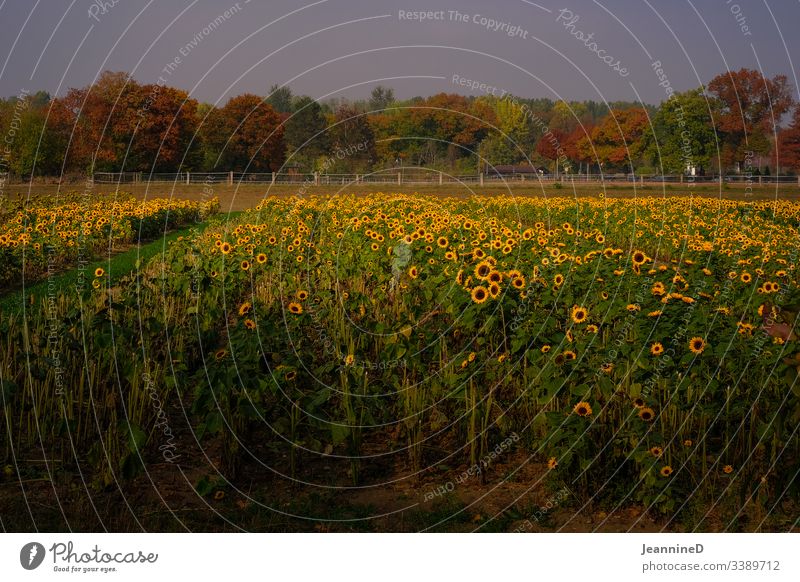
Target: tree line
118	124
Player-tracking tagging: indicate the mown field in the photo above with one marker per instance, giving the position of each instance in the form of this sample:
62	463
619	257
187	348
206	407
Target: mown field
403	362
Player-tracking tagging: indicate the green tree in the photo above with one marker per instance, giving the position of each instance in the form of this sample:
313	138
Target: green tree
380	98
353	141
280	99
684	133
306	136
509	143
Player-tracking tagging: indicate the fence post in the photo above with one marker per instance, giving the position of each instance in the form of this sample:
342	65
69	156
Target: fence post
187	178
230	178
481	178
440	178
273	178
316	178
400	178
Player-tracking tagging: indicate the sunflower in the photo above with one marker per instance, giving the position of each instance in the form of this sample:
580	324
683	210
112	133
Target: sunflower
657	349
249	324
646	413
245	308
656	451
219	495
607	367
633	307
545	348
245	265
558	280
225	248
579	314
413	272
220	354
746	277
290	375
442	242
727	469
494	290
666	471
482	270
687	443
99	272
638	258
592	328
582	409
261	258
495	277
295	308
349	359
518	282
552	463
697	345
479	294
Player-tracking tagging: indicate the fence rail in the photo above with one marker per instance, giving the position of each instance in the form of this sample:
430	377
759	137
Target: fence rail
415	177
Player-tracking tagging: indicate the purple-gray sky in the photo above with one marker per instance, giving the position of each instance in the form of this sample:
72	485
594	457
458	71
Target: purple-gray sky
314	45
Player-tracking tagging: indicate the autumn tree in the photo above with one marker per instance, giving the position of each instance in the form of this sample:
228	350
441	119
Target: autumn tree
751	106
96	122
249	134
787	153
163	138
618	141
551	147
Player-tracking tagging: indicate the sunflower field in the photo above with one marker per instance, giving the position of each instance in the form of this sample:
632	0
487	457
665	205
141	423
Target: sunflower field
643	350
41	235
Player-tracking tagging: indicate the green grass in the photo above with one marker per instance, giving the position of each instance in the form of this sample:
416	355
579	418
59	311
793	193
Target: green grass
116	266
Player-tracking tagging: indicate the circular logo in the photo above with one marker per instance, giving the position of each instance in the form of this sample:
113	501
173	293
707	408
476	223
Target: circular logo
31	555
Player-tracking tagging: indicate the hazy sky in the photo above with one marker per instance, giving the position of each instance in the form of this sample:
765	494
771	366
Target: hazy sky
345	47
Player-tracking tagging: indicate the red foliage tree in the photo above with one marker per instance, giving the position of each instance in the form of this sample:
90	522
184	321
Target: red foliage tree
788	150
253	134
751	106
